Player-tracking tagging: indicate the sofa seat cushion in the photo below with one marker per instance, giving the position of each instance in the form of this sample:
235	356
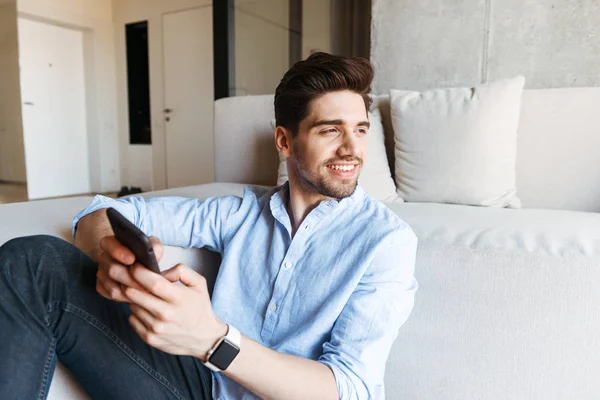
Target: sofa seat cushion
507	305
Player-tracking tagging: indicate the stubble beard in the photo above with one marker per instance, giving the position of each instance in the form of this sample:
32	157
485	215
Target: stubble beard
322	183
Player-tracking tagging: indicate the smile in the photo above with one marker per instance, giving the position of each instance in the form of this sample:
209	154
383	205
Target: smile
345	168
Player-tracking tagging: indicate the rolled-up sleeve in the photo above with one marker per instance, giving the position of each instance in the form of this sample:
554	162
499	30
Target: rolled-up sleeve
364	332
99	202
176	221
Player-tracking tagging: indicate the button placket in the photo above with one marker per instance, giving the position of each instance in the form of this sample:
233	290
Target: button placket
279	291
289	263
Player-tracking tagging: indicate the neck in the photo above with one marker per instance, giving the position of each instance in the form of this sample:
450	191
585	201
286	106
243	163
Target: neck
300	203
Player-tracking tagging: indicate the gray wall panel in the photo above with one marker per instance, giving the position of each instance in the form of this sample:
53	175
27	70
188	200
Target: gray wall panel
441	43
553	43
427	43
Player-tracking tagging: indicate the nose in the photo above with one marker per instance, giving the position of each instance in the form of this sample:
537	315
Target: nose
350	146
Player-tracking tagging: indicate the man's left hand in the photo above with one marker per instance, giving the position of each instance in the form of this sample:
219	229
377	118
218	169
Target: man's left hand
177	319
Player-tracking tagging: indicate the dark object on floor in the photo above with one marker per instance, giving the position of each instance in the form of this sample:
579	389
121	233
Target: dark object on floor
126	191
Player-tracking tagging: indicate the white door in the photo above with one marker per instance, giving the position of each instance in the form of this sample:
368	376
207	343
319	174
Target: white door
189	96
54	112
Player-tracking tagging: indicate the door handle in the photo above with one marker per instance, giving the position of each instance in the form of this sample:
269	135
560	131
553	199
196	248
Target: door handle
168	110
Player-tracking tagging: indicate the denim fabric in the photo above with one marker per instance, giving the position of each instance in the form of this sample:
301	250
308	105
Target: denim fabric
49	310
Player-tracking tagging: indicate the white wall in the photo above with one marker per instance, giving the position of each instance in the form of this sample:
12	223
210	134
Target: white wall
95	18
12	154
316	27
144	165
261	45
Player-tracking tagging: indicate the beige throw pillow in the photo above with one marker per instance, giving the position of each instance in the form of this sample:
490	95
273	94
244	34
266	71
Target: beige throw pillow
375	177
458	145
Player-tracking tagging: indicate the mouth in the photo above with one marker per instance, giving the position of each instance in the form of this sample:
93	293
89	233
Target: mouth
343	170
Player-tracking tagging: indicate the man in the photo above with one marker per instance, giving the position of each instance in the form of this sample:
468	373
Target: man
316	275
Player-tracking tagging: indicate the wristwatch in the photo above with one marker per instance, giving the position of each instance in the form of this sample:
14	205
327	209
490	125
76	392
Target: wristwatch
225	351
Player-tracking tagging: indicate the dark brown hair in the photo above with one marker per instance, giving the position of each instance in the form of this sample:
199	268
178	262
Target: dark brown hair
319	74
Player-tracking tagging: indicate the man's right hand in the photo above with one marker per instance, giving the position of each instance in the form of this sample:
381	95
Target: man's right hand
113	275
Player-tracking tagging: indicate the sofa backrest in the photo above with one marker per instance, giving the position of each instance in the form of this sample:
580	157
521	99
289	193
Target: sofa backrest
558	151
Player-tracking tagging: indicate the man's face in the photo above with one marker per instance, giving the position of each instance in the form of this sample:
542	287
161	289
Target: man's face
329	149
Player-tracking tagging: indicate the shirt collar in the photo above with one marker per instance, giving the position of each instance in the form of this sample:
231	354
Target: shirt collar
280	198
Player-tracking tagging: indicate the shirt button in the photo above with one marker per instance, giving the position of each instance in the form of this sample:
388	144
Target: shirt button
287	265
273	307
307	227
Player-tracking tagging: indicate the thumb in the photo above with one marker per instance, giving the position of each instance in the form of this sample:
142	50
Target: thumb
185	275
158	247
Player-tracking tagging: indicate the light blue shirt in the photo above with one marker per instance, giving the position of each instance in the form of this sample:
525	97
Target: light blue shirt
337	292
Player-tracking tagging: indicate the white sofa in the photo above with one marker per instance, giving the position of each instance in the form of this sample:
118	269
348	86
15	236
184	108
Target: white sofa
508	305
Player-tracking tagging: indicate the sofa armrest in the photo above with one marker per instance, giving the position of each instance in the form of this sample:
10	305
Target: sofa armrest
203	261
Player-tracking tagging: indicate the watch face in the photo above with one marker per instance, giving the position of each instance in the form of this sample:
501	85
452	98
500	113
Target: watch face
224	354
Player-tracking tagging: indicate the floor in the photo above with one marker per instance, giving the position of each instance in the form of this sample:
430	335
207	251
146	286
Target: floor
14	193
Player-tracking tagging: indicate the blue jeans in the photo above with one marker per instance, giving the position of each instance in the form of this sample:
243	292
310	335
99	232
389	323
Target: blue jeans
49	309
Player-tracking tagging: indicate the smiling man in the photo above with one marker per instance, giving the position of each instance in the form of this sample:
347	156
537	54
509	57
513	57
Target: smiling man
315	281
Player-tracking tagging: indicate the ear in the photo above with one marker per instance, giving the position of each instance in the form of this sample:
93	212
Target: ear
283	141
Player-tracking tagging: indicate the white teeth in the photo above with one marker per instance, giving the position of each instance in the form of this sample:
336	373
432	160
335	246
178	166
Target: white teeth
342	167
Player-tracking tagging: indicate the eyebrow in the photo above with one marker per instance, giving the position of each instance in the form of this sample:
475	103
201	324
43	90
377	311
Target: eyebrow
337	122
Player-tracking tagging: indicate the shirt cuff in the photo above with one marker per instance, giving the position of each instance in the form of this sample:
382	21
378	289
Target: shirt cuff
99	202
348	388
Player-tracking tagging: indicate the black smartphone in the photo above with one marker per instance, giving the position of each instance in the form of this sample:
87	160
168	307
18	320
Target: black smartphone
134	239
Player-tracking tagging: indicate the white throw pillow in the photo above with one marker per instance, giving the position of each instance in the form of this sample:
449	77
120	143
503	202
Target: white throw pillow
375	177
458	145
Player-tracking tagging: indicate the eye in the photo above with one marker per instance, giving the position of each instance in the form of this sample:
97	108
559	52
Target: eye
363	131
328	130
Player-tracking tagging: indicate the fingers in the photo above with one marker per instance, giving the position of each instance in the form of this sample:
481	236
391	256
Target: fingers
108	288
100	289
185	275
149	302
155	283
139	328
112	277
144	332
144	316
115	271
158	247
116	250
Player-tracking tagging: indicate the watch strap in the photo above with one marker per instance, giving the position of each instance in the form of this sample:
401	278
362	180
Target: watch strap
233	336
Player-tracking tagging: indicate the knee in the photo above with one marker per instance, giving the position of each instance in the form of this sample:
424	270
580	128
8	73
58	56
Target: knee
32	247
34	242
29	253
